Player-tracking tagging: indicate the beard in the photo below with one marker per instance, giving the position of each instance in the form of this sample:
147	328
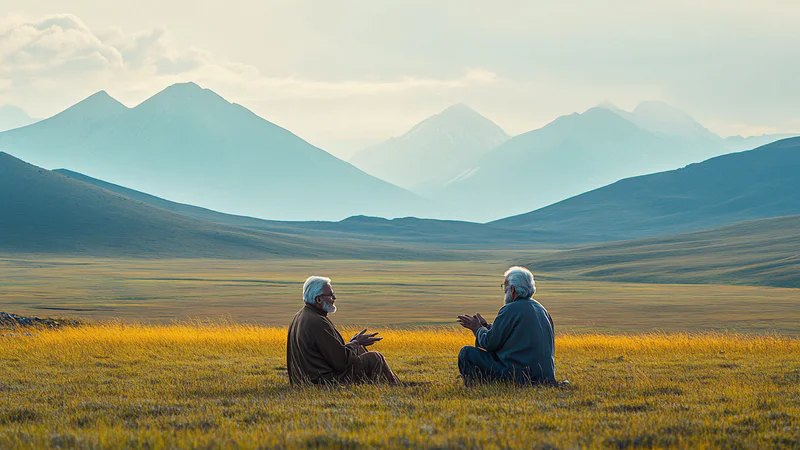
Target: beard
328	308
508	296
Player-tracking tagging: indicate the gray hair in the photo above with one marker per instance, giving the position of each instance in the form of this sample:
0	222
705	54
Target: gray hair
522	280
312	288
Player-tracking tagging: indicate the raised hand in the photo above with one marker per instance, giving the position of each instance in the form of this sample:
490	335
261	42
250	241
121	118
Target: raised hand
482	321
365	339
470	322
355	336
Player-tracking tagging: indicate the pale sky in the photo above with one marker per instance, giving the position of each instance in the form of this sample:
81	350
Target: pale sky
343	74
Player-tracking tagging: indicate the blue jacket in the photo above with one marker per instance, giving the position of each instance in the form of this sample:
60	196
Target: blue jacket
522	338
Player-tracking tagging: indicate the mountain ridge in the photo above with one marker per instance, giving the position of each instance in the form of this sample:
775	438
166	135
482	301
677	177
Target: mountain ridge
408	230
432	151
12	117
730	188
570	155
188	143
579	152
46	212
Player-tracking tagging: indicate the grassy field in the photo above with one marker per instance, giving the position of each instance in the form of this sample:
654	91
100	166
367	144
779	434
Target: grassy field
397	294
762	252
650	365
224	385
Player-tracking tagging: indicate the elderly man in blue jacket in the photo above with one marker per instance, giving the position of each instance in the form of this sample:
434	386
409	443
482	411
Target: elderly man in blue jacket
519	346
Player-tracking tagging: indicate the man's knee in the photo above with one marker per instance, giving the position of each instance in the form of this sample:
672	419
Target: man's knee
468	353
373	358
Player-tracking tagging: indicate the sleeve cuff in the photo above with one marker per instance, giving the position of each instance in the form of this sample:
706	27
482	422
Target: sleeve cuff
481	331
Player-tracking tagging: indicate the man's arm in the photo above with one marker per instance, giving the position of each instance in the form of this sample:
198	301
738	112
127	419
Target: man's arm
340	356
492	339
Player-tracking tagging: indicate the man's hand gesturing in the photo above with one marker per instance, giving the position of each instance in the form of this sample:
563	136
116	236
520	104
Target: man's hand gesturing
471	322
365	339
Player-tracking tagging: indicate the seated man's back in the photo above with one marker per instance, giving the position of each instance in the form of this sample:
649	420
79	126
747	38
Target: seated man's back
519	346
522	337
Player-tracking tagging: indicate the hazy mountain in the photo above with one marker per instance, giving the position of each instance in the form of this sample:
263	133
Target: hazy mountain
360	229
571	155
660	117
739	143
754	184
47	212
663	118
14	117
191	145
578	153
433	151
760	252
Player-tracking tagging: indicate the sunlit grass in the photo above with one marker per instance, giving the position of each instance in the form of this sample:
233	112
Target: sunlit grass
224	384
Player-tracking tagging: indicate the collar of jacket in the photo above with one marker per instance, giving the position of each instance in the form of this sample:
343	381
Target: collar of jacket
317	310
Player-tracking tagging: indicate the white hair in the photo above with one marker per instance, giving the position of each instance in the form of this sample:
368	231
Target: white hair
312	288
522	280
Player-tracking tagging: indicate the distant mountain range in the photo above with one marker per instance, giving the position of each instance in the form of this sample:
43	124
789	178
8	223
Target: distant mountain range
762	252
732	188
433	151
739	143
661	118
189	144
577	153
359	230
749	185
14	117
66	213
48	213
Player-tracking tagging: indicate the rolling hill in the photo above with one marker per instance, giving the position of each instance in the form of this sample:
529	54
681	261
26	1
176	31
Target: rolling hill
189	144
47	213
749	185
760	252
364	229
433	151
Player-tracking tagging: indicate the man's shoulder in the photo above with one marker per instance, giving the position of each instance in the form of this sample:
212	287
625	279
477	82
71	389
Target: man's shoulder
517	304
311	317
538	305
529	304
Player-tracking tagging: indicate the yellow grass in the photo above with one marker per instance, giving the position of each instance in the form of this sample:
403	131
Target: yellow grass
224	385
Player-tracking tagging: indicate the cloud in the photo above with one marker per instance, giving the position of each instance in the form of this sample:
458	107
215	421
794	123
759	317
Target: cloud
56	43
50	63
343	75
62	47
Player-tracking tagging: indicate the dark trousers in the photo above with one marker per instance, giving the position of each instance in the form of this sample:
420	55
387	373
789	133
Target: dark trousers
479	366
371	367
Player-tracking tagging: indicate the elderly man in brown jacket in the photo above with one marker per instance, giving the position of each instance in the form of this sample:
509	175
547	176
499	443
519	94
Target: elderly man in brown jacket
316	352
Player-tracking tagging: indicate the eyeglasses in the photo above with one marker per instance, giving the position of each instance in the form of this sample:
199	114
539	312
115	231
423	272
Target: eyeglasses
332	296
504	285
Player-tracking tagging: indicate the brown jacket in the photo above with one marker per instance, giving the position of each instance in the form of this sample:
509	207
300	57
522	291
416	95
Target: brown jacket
315	351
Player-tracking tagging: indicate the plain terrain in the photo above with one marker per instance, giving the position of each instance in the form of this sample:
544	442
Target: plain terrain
649	365
375	293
